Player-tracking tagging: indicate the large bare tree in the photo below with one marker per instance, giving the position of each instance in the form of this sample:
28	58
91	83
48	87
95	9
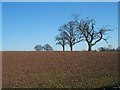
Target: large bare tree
92	36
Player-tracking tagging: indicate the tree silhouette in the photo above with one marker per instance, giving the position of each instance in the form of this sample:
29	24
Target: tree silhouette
86	27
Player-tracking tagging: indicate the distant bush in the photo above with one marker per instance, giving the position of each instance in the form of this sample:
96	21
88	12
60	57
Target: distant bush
46	47
38	48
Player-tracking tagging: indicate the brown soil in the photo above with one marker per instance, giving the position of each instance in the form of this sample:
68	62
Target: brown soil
30	69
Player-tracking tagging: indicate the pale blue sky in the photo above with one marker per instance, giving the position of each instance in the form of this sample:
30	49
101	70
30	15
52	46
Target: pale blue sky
25	25
119	24
60	0
0	26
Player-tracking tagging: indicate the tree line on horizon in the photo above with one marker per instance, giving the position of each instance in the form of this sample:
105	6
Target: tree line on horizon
76	31
109	48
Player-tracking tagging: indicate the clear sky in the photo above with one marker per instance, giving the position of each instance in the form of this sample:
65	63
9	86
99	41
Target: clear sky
60	0
119	24
26	24
0	26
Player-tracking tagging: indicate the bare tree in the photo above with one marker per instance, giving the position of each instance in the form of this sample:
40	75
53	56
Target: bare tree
87	28
61	39
47	47
71	34
38	48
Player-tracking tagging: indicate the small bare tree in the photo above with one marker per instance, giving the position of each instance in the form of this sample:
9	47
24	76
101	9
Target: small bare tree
87	28
71	34
118	48
61	39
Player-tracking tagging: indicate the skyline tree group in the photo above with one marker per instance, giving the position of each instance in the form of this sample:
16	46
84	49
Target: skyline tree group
78	30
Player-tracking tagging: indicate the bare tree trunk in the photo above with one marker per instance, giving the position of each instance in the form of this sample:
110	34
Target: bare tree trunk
63	48
89	47
71	47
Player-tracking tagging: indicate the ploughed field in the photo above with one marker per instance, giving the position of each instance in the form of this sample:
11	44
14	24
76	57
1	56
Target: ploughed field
31	69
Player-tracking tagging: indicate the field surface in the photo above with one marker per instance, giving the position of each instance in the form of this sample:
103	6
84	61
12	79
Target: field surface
30	69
